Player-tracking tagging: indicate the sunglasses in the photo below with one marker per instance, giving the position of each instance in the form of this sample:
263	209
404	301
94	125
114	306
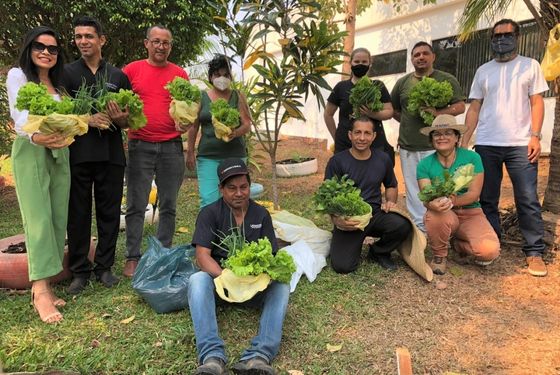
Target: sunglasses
40	47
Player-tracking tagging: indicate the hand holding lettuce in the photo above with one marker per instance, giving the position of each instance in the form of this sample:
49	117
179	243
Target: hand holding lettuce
365	93
249	267
185	103
67	117
340	197
450	184
125	99
429	93
224	119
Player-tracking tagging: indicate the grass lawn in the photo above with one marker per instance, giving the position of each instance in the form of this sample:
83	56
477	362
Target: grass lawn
93	338
476	321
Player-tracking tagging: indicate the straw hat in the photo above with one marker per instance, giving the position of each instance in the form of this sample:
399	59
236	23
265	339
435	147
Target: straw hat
412	249
443	122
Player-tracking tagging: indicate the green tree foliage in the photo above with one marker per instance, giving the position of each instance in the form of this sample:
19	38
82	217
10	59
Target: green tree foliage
125	23
6	129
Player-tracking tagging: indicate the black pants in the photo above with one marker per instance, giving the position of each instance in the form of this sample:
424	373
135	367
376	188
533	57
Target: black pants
346	247
107	183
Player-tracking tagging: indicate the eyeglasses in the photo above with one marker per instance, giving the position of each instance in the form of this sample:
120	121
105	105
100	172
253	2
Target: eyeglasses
445	134
159	43
40	47
503	35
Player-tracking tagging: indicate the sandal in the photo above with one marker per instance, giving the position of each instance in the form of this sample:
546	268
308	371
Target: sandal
48	314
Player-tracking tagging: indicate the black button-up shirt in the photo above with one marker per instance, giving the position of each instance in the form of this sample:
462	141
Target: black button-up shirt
96	145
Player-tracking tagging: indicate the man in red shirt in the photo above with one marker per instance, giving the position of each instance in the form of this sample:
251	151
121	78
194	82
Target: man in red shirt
156	149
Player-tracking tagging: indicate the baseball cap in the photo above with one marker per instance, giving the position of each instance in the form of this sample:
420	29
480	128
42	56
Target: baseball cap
231	167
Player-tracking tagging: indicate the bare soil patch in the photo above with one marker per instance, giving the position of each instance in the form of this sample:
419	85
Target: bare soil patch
493	320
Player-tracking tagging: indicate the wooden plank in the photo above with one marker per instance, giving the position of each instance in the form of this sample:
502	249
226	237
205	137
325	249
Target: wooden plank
404	362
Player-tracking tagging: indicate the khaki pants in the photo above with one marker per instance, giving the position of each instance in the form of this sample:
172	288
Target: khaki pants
472	233
42	185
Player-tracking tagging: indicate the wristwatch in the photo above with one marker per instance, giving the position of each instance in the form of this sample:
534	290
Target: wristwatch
538	135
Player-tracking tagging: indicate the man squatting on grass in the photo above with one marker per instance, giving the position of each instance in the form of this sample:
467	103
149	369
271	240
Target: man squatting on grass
368	168
233	211
507	109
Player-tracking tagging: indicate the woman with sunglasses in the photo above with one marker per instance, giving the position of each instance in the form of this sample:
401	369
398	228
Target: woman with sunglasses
42	176
458	219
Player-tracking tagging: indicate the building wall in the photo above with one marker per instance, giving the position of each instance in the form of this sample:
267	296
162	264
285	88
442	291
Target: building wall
381	29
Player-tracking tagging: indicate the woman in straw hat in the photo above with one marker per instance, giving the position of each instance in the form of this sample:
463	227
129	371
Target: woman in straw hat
458	217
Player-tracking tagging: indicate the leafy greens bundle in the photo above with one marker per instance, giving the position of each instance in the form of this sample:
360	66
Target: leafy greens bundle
449	184
125	98
181	89
429	93
224	113
340	197
365	93
255	258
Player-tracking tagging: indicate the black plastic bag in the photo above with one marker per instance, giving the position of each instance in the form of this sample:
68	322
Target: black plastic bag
162	276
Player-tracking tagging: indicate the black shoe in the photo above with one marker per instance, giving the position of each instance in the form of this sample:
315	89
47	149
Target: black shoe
212	366
385	261
253	366
77	285
108	279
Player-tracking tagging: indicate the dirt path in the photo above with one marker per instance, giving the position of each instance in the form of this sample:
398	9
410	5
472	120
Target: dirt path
498	320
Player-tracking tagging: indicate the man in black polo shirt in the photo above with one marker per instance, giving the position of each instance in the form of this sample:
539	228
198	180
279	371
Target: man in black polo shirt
234	211
96	160
368	168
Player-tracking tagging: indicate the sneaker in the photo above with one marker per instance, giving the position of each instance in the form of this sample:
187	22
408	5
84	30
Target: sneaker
536	266
439	265
212	366
253	366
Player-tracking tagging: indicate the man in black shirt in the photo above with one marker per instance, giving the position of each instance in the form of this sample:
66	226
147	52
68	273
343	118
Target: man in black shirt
368	168
234	211
96	160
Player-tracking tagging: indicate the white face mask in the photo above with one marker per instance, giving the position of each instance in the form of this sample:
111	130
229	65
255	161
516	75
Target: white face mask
221	83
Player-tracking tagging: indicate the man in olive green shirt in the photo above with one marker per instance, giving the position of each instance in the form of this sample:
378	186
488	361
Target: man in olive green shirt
413	146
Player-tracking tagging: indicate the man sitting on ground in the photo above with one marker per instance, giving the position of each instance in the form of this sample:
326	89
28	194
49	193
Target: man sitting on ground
368	168
234	211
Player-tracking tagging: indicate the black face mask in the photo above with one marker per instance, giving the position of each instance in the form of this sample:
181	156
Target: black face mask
504	45
360	70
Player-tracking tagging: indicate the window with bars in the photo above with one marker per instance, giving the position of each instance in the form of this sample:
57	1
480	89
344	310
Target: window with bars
388	63
462	59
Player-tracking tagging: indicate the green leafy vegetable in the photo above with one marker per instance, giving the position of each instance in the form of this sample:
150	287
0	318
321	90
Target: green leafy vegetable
429	93
224	113
254	258
126	98
449	184
365	92
340	197
181	89
36	99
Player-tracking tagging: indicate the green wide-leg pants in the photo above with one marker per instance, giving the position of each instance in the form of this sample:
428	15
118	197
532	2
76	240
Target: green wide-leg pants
43	186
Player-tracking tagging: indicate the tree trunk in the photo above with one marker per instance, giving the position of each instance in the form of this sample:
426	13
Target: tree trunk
274	184
350	23
552	193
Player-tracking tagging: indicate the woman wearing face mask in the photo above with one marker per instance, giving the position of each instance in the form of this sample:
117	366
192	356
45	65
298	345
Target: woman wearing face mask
360	60
211	150
42	176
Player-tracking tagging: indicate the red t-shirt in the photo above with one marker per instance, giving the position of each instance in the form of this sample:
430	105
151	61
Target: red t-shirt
148	81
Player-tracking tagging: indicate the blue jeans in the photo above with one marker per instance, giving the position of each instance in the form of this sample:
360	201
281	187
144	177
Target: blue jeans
165	160
523	175
202	305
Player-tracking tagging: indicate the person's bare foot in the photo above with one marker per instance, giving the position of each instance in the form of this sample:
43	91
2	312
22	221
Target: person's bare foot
58	302
41	299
